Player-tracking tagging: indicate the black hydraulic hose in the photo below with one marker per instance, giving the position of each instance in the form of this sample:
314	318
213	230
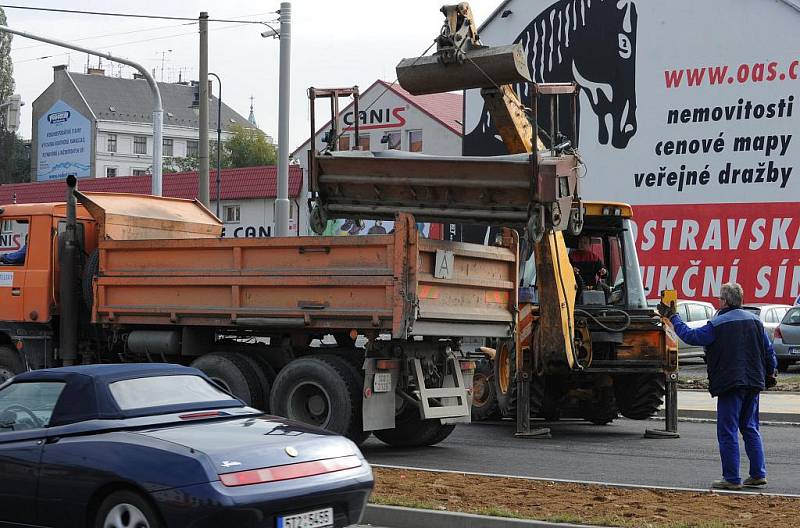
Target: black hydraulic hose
605	327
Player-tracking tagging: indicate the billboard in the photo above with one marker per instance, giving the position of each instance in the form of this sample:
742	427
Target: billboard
65	147
687	111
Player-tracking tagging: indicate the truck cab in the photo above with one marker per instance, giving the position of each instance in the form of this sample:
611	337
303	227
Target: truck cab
29	282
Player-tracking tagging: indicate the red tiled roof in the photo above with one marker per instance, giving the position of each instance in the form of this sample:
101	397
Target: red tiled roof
235	184
447	108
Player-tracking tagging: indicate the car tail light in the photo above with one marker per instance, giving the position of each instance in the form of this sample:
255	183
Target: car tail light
387	364
777	334
467	365
288	472
201	415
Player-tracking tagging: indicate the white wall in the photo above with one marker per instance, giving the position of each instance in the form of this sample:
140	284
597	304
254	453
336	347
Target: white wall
256	218
124	159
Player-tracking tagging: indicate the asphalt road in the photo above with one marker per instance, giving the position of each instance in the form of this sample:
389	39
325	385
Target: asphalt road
615	453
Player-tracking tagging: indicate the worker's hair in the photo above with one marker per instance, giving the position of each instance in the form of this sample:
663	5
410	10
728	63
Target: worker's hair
732	293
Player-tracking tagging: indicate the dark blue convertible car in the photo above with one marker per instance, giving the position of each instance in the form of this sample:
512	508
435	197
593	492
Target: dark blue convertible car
157	445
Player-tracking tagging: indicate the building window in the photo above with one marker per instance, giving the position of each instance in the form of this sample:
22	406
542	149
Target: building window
140	144
344	142
415	141
392	140
231	214
363	142
111	172
167	147
139	172
192	148
112	143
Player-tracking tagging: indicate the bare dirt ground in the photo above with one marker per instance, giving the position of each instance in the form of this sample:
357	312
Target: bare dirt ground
577	503
786	383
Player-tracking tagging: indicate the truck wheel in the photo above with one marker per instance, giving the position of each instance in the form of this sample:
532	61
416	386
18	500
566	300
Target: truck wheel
264	381
320	390
412	431
235	374
484	397
505	383
783	365
602	409
639	396
10	364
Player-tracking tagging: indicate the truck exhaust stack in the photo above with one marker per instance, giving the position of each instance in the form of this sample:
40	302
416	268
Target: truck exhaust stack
68	313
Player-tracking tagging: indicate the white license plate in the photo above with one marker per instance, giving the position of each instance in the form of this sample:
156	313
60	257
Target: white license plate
382	382
312	519
794	351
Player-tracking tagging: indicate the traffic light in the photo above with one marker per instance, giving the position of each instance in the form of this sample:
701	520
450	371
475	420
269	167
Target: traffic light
13	106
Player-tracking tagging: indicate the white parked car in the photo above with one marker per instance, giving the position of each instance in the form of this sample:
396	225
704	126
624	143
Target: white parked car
695	314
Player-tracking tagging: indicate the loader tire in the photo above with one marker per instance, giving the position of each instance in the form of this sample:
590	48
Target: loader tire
505	383
320	390
412	431
602	409
639	396
484	392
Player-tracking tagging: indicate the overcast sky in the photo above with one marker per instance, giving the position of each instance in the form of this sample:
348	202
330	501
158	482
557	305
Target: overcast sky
334	44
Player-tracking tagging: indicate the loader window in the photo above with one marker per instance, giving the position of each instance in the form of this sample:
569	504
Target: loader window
14	241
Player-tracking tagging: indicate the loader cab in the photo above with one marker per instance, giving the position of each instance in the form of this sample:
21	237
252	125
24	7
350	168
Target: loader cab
604	259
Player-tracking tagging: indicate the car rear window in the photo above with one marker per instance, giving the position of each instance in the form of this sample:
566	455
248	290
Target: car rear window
792	317
158	391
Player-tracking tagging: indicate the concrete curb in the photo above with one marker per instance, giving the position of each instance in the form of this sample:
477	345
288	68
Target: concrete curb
712	415
399	517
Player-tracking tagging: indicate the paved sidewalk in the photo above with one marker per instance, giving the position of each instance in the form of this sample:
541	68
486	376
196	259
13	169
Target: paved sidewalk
774	406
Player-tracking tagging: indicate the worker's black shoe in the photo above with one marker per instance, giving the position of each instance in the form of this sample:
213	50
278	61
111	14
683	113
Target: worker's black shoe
725	485
755	482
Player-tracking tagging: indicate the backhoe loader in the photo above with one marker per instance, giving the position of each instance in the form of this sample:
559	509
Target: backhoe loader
578	349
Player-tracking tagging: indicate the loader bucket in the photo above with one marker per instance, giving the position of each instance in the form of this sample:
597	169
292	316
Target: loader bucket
483	67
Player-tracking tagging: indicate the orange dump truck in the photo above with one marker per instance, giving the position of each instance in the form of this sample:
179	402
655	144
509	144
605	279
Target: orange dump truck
149	279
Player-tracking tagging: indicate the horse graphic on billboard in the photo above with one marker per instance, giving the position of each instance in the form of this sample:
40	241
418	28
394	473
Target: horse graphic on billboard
590	42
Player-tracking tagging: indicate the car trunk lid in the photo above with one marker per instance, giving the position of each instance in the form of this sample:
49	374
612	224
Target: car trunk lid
251	443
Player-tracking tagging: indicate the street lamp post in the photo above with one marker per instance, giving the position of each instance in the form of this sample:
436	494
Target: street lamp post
285	36
219	136
158	109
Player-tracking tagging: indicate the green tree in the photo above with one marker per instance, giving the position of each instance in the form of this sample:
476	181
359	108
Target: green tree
6	66
248	147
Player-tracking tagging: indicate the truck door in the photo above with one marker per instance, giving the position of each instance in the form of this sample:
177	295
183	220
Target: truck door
13	259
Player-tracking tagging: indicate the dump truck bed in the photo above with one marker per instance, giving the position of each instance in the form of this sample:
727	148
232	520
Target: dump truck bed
399	284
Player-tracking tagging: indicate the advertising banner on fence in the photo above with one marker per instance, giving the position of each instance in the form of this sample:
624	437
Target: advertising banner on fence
65	144
688	110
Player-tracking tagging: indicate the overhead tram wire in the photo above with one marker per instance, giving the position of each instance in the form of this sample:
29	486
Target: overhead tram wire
126	15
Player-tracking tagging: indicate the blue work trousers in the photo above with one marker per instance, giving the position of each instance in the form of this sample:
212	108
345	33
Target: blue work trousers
737	410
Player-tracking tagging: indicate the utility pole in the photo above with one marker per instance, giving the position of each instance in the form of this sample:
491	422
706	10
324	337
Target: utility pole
158	109
203	173
282	201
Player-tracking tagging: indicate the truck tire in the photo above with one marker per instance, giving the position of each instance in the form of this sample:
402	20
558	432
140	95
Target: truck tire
505	383
783	365
484	396
263	380
412	431
602	408
639	396
10	363
320	390
234	374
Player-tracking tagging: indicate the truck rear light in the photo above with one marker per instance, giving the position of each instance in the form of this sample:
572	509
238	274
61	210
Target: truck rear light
288	472
467	365
777	334
387	364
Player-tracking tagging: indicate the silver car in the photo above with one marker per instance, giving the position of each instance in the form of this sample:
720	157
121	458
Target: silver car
770	315
787	339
